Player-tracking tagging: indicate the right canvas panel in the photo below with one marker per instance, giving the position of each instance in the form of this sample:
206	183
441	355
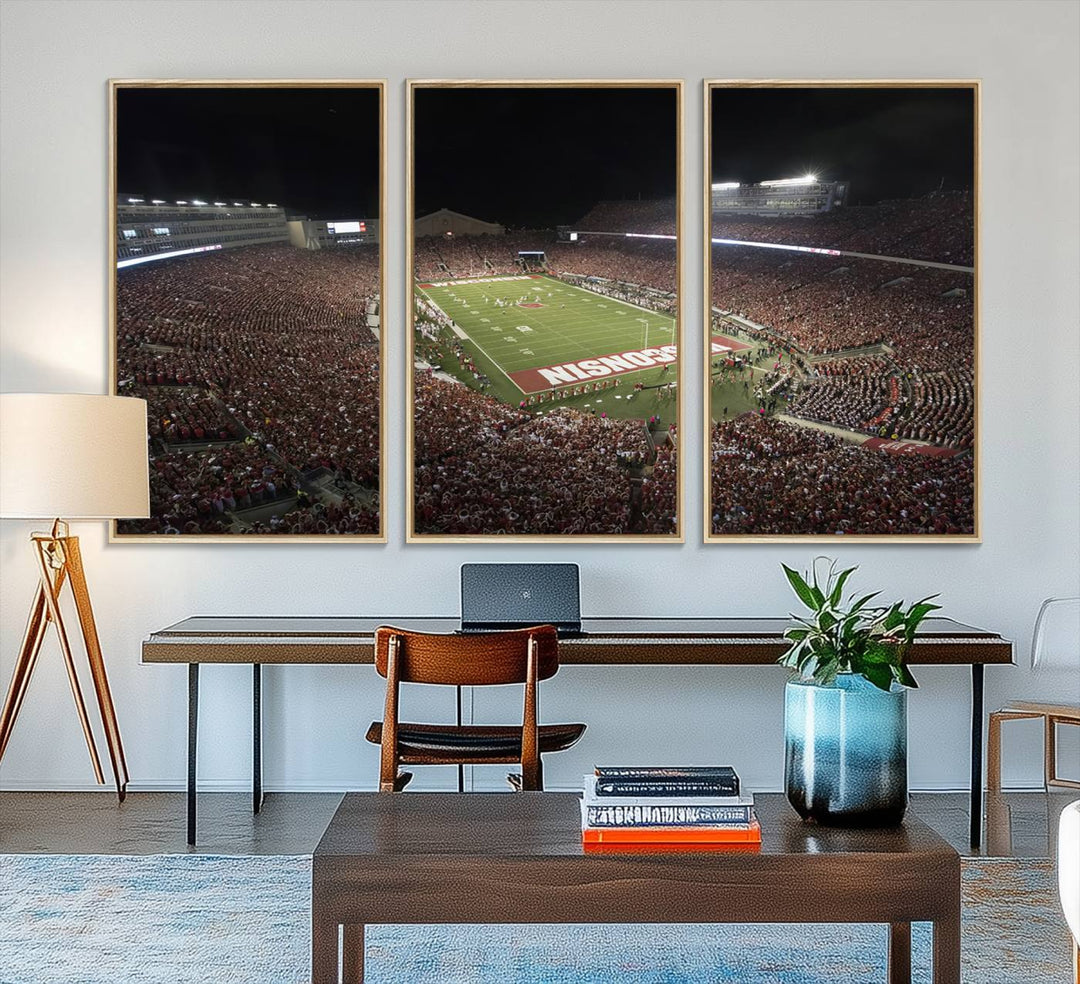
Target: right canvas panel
841	285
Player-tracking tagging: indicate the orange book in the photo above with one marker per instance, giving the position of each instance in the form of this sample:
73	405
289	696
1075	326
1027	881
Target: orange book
639	848
748	834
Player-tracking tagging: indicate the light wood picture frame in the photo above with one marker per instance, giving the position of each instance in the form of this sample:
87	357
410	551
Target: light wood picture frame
260	340
482	413
841	353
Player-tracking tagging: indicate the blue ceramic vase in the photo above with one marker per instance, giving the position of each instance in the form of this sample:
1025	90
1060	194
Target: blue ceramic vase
846	751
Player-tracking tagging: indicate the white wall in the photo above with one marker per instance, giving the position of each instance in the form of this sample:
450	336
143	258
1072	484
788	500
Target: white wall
53	327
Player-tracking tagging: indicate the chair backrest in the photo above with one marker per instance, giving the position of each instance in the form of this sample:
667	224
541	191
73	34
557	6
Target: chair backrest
1055	643
469	660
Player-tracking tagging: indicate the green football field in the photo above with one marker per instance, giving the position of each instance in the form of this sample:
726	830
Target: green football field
532	334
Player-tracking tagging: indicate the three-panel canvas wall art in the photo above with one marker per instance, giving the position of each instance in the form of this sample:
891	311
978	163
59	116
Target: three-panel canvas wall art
544	319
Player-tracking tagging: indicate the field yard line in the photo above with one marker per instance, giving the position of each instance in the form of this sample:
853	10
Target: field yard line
636	307
494	362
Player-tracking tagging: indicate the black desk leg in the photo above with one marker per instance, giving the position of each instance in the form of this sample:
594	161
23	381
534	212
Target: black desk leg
461	767
256	738
192	747
976	753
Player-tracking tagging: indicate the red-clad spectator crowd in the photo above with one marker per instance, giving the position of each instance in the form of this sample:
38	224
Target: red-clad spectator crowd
481	467
774	478
826	304
265	348
660	491
646	262
939	228
656	217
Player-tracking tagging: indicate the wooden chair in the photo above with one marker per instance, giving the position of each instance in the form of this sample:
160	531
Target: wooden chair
1055	644
486	659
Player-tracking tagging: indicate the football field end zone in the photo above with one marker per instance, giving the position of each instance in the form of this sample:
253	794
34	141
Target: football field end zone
542	379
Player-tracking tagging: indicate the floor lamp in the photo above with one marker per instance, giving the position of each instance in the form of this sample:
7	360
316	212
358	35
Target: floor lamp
78	457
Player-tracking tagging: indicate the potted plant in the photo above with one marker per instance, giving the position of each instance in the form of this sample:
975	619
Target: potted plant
845	713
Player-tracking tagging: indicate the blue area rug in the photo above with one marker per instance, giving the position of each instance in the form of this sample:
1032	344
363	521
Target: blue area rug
175	919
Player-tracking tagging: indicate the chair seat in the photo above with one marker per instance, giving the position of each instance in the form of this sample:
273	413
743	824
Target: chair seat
1034	707
473	743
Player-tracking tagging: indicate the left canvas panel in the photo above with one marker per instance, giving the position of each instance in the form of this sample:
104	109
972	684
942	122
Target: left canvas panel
246	262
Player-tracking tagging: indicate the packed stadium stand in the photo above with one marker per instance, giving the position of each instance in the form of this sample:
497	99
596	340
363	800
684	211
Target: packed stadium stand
875	348
937	228
770	477
262	378
481	466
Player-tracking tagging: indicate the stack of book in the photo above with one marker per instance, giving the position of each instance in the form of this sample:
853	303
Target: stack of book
680	806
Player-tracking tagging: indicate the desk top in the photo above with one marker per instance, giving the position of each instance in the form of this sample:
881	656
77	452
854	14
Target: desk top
605	640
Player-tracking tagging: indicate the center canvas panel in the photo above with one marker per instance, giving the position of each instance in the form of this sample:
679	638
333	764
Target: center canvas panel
544	360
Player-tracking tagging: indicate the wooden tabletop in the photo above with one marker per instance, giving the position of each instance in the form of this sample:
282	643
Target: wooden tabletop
506	857
608	640
537	825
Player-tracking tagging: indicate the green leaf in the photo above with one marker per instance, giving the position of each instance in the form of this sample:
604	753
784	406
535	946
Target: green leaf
862	601
801	588
880	676
903	675
838	589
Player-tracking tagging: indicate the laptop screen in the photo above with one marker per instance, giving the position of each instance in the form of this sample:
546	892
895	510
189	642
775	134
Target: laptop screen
515	595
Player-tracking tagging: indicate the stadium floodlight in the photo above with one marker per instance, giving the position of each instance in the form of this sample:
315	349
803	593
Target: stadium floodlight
805	179
725	185
219	204
196	201
238	204
270	205
256	204
157	201
136	201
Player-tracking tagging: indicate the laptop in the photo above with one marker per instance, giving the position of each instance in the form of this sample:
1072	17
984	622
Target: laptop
496	597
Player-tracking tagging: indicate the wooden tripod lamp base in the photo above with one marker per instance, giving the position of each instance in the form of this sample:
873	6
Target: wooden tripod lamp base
59	561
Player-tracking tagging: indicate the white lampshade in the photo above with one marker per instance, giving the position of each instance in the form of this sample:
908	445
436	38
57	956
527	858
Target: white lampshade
1055	643
73	456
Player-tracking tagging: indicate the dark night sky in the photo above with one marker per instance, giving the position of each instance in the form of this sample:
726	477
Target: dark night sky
889	143
537	158
314	151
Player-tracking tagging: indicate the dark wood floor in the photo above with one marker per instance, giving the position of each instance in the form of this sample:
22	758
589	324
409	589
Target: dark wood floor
1021	824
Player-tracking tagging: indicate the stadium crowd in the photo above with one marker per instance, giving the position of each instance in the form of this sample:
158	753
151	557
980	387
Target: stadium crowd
660	490
770	477
481	467
648	263
939	228
846	392
824	304
656	217
265	347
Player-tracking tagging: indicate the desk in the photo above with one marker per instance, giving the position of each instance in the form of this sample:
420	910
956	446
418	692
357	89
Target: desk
605	641
518	858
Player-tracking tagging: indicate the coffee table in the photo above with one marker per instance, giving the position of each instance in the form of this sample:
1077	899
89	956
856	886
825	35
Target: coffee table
517	858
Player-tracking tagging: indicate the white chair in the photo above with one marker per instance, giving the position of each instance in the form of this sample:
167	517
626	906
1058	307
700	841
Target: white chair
1069	875
1055	645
